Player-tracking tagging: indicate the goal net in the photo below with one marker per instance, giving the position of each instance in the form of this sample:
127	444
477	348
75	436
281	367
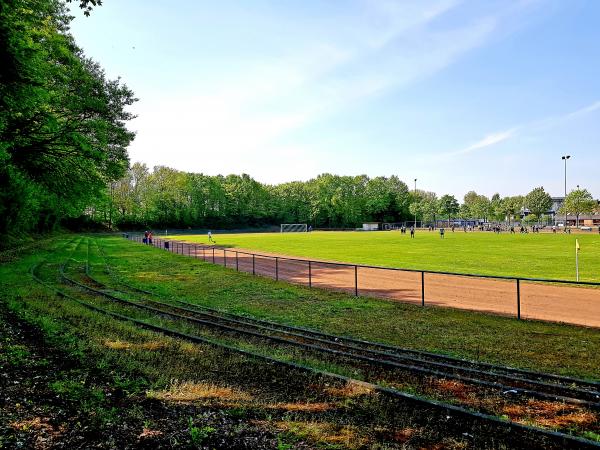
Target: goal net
293	228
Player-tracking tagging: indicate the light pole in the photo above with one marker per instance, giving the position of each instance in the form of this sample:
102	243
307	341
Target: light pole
415	199
565	157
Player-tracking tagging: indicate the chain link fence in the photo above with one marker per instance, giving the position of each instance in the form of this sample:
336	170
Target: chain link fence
524	298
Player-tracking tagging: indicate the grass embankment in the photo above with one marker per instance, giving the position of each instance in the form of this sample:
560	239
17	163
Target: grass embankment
90	380
539	255
543	346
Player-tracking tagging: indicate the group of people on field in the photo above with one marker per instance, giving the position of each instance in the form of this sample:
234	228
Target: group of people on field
495	228
412	231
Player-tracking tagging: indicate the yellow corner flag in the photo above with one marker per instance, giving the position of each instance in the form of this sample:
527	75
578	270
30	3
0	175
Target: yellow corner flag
577	245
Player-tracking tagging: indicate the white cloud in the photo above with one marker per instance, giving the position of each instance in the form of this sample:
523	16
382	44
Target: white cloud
585	110
537	125
487	141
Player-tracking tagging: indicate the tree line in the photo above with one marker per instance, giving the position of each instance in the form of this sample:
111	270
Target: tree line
165	197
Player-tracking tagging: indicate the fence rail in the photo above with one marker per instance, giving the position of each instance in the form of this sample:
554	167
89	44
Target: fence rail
489	293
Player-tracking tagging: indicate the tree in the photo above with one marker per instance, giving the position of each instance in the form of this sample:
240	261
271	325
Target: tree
63	132
511	206
496	210
538	202
87	5
415	210
578	202
477	205
423	204
448	206
386	199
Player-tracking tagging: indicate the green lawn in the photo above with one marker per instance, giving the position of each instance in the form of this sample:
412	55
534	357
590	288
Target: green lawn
532	255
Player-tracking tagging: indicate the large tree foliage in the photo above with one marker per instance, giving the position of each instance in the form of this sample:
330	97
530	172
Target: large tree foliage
510	207
476	206
578	202
449	207
62	123
170	198
538	202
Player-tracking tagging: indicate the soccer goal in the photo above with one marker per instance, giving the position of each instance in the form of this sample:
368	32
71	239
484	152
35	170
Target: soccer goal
294	228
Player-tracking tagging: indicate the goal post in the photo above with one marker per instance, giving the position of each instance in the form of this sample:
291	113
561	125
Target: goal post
294	228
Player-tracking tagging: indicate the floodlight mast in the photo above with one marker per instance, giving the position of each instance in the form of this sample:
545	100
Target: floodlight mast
415	199
564	158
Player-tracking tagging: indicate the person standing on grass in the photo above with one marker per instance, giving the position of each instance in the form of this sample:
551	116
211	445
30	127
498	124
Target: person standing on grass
442	233
412	232
210	239
150	237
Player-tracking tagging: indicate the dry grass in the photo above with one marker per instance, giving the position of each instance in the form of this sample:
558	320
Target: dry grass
325	432
551	414
45	432
404	435
306	407
148	433
124	345
455	388
37	423
191	392
350	389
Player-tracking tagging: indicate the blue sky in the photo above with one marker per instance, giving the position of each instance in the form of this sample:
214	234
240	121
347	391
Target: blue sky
462	95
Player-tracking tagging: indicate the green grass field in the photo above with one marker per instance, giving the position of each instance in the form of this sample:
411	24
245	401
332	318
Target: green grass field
541	255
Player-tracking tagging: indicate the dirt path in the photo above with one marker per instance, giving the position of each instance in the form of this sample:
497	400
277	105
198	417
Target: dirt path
569	304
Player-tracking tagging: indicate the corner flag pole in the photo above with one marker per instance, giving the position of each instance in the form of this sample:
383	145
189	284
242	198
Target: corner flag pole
577	258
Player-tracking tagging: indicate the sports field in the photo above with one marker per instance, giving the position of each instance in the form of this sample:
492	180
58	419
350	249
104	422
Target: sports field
543	255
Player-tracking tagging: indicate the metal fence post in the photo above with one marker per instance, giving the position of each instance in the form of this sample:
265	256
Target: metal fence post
237	262
276	268
518	299
356	280
224	258
253	265
189	250
422	288
213	255
309	274
204	253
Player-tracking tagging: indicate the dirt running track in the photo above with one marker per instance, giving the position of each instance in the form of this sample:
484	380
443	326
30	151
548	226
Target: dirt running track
556	303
